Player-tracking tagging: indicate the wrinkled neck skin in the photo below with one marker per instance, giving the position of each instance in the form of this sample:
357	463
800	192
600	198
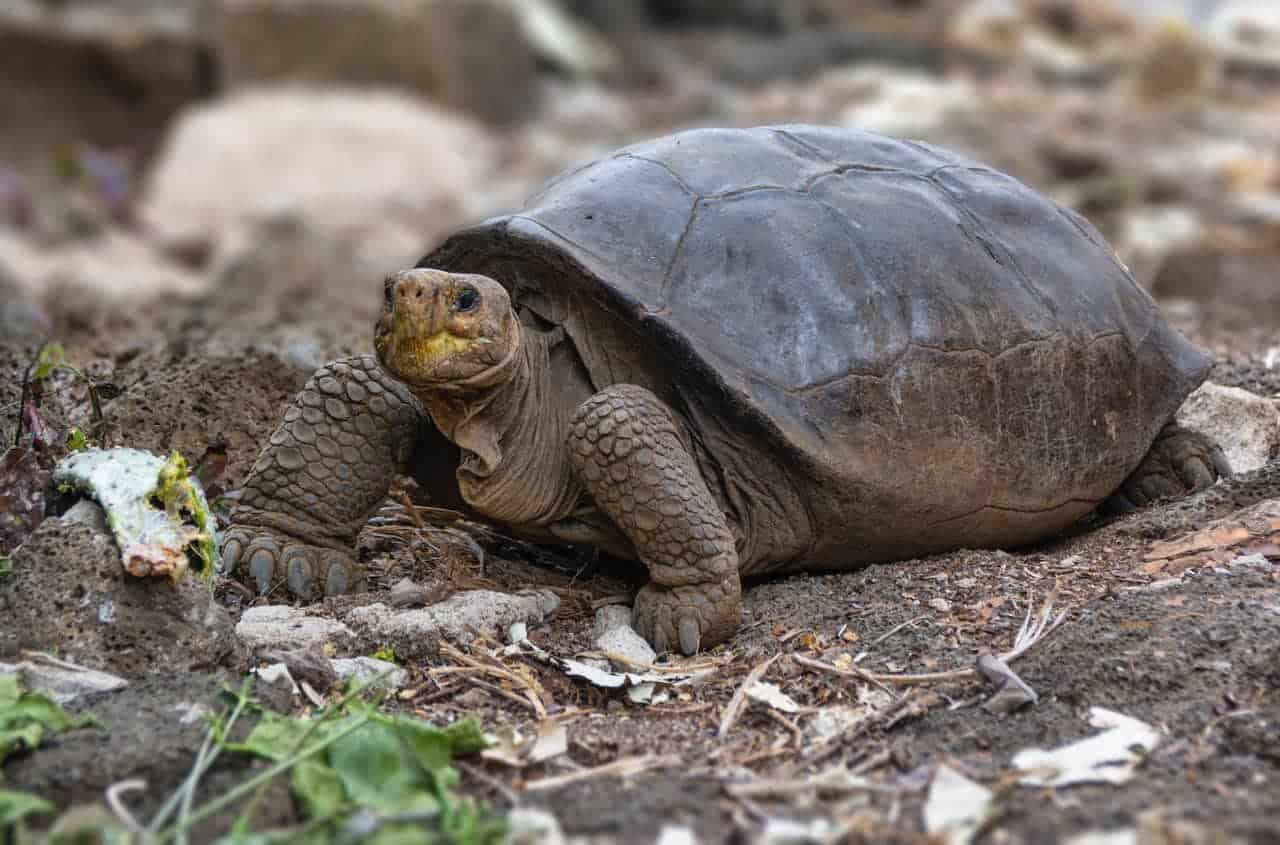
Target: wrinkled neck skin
512	435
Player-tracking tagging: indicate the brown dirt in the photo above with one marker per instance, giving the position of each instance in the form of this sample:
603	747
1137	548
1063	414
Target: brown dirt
1196	657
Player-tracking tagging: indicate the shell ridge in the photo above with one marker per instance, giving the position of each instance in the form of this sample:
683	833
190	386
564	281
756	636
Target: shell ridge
679	180
980	228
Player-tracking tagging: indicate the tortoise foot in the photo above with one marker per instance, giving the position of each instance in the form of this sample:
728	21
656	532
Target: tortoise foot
688	618
266	558
1180	462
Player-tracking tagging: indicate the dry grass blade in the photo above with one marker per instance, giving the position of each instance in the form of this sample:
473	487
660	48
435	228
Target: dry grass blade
1035	627
618	768
734	709
832	780
1033	631
532	692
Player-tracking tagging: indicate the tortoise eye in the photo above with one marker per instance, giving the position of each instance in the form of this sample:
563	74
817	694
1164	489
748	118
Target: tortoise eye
466	300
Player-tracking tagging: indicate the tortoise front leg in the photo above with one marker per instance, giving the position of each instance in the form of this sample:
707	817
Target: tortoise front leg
324	472
625	446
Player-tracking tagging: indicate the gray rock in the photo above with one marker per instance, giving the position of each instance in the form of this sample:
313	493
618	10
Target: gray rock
63	683
66	60
414	633
241	170
284	627
530	826
1245	425
613	633
68	594
367	668
442	49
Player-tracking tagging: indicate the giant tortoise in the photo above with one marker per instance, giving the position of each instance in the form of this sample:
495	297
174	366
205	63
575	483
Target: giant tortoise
729	352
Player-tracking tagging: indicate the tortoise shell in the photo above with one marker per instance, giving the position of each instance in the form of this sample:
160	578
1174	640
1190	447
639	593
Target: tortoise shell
881	348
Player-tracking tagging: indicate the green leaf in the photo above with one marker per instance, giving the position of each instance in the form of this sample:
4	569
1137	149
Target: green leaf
317	786
279	737
6	565
386	653
25	716
430	745
52	356
76	441
15	806
25	738
378	772
466	737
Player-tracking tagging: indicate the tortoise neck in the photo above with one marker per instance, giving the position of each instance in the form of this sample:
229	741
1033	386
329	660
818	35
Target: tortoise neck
513	468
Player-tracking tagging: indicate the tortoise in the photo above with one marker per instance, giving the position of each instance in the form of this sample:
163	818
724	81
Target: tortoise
736	351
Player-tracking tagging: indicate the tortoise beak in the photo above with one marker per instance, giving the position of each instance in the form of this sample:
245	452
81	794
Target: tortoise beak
435	326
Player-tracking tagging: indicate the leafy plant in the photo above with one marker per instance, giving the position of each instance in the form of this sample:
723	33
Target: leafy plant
25	717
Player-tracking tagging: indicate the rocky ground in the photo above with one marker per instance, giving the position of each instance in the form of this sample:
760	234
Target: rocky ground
207	231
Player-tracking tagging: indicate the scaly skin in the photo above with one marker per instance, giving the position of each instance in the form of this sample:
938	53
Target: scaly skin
628	452
324	472
1179	462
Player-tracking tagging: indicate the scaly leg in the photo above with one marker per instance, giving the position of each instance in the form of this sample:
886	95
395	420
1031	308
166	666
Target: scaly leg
626	448
1179	462
324	472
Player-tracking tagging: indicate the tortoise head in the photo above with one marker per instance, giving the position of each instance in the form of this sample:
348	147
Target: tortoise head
442	330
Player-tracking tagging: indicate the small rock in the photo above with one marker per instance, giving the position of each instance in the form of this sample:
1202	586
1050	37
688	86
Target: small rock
1247	32
613	634
940	604
275	687
906	104
673	835
408	593
306	664
527	826
365	669
62	683
833	720
414	632
1245	425
68	594
282	626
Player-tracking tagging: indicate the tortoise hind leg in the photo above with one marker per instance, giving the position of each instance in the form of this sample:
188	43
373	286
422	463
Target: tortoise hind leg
626	448
1179	462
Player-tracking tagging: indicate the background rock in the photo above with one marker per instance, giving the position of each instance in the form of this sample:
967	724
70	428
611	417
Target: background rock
1245	425
470	55
289	153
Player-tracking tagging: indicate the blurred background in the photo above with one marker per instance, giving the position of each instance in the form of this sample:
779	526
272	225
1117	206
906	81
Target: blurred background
240	174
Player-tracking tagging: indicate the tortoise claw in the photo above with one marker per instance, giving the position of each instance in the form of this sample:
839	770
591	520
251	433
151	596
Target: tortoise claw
690	636
306	570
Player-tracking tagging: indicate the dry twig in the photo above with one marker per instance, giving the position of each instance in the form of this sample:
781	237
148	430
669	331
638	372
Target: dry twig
624	767
734	709
1035	627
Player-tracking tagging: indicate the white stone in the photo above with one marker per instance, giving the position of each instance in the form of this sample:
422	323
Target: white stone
367	668
483	610
286	628
1245	425
613	634
338	162
63	683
